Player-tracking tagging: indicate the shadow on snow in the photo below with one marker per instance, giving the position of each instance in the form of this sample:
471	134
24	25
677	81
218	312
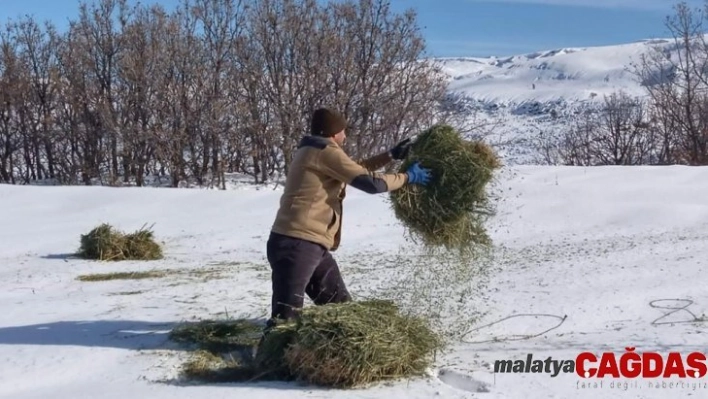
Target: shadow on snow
121	334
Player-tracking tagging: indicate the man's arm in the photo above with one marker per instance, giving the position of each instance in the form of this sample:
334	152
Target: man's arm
400	151
334	162
376	162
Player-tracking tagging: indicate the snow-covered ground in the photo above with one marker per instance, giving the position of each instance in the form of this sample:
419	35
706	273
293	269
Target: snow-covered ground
597	245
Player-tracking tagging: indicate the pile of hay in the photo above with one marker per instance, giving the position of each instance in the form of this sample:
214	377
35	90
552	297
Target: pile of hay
337	345
349	345
107	244
451	210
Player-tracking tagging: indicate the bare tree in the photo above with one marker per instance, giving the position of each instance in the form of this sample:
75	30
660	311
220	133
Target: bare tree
37	54
622	135
617	132
138	90
676	82
128	93
11	96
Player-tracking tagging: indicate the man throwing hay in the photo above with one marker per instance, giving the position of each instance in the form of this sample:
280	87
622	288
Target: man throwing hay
308	224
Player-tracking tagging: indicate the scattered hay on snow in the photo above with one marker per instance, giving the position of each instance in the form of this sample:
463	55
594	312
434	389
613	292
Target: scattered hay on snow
449	212
207	366
223	349
107	244
444	288
218	336
338	345
123	275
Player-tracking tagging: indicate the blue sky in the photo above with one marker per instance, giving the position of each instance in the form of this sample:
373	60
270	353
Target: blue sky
479	27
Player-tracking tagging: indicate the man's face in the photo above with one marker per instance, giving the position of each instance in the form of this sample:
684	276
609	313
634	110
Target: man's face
339	138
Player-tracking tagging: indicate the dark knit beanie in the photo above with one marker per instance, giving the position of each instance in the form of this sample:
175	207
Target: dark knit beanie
326	123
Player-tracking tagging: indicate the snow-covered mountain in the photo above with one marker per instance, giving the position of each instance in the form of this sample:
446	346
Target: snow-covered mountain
530	93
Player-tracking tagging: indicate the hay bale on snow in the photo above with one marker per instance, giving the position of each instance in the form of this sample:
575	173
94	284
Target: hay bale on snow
106	243
451	210
348	345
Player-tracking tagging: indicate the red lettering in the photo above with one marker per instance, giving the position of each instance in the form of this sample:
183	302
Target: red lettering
696	363
608	365
630	364
580	365
647	370
674	366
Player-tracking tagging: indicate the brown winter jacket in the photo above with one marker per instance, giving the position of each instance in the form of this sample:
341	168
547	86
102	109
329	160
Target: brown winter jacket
311	203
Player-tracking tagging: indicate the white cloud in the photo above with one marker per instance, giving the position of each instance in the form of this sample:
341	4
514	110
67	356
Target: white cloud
625	4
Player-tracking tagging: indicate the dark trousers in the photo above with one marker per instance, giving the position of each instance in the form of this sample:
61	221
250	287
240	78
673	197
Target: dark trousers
300	268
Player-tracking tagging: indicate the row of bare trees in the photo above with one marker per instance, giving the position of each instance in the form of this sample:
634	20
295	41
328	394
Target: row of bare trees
669	125
617	132
128	93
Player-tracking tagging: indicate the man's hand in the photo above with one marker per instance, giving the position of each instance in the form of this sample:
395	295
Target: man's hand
400	151
418	175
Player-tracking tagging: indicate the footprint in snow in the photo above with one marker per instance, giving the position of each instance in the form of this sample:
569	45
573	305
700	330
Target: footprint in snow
461	381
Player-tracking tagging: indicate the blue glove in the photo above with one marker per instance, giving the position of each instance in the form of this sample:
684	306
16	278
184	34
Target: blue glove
418	175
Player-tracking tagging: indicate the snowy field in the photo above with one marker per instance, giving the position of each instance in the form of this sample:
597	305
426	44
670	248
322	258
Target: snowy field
597	245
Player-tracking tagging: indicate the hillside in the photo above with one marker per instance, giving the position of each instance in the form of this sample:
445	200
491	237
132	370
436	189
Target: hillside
522	92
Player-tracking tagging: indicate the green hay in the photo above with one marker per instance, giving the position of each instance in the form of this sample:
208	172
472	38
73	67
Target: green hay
223	349
125	293
107	244
349	345
337	345
141	245
122	276
206	366
451	210
218	336
270	358
101	243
